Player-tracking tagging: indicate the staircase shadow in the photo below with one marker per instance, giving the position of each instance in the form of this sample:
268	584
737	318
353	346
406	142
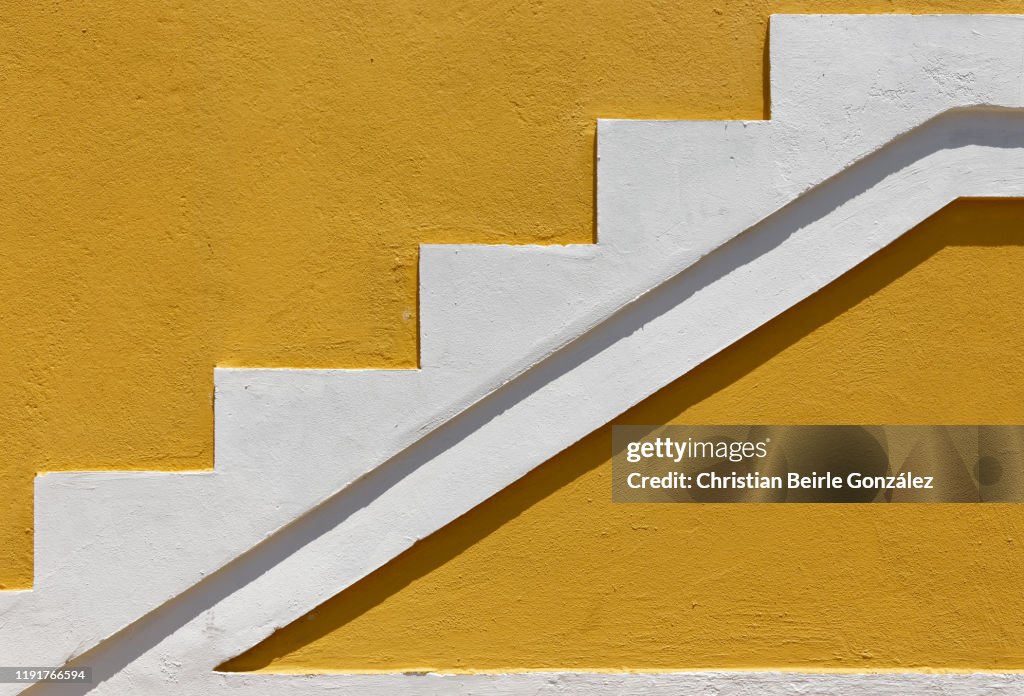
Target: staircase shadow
968	222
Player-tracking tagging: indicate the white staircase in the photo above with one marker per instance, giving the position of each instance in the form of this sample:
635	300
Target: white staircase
706	231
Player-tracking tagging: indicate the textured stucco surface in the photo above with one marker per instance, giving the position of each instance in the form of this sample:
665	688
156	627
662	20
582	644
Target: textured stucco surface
549	574
195	184
243	185
191	184
246	184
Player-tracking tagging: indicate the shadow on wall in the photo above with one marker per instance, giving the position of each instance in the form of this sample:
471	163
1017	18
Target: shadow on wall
965	223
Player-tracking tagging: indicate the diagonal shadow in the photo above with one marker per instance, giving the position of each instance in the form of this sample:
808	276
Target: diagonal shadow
956	225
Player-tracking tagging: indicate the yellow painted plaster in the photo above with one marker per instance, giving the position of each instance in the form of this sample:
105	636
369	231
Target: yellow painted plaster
244	183
550	574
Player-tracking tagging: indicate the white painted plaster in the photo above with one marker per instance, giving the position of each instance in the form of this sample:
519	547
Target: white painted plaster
324	475
595	684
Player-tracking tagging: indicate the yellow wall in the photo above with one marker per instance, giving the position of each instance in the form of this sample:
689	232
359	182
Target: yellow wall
550	574
245	183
